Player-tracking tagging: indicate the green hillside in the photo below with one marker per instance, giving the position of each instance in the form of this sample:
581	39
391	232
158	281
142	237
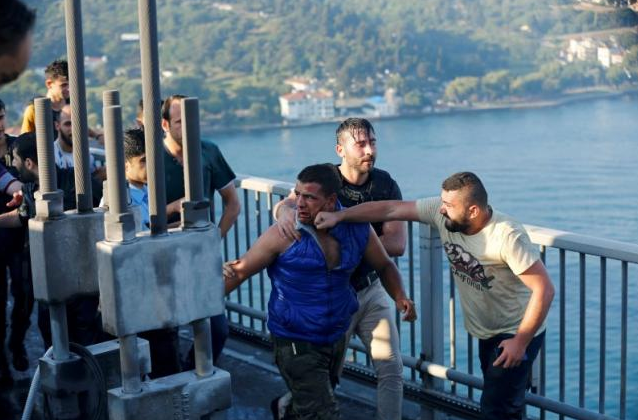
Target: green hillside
235	55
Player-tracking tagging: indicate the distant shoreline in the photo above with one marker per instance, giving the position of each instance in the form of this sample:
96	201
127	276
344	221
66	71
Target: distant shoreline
535	103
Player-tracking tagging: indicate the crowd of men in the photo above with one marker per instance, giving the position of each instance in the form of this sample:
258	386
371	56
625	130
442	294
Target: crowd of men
332	274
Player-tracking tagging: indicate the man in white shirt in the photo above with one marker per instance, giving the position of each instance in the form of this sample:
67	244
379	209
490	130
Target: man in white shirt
504	288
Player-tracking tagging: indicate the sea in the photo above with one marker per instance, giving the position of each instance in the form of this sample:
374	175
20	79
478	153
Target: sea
572	167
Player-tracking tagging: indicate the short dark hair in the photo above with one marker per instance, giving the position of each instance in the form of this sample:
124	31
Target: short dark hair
354	125
166	106
57	69
460	180
324	174
133	143
16	21
26	147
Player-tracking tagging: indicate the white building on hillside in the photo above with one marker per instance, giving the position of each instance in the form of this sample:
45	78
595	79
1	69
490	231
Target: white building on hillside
609	56
307	106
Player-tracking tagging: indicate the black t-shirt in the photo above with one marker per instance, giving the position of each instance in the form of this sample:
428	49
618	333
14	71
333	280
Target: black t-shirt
379	186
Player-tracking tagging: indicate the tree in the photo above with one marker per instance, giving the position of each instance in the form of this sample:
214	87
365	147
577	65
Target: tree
462	88
496	84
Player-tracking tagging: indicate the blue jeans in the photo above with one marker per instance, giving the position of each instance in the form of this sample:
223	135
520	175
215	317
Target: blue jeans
504	389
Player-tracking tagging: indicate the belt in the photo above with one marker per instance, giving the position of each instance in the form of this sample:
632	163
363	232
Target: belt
364	281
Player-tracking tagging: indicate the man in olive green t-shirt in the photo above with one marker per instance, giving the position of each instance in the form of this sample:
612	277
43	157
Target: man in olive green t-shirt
504	288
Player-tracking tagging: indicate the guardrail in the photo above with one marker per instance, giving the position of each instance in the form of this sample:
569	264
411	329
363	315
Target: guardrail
581	372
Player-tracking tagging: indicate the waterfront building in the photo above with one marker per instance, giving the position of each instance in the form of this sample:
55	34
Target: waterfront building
307	106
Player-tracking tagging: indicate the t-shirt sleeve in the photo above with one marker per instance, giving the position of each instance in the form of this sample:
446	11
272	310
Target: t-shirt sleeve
6	179
28	121
427	209
518	251
395	191
220	170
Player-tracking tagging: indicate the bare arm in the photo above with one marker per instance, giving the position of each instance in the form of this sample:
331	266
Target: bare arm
537	279
260	255
373	211
231	208
394	237
284	214
376	256
10	220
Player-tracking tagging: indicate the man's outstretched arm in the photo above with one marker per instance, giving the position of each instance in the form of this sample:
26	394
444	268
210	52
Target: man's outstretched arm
373	211
259	256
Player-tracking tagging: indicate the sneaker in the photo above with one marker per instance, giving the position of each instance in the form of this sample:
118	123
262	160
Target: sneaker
20	361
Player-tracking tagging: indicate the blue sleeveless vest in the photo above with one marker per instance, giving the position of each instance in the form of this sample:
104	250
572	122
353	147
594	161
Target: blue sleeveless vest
308	302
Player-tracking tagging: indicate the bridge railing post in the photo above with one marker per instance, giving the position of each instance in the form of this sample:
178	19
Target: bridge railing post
431	307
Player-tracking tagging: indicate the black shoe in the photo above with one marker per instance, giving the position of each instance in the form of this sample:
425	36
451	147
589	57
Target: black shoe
20	361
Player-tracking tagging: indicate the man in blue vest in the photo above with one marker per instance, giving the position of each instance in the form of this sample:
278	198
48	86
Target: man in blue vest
311	301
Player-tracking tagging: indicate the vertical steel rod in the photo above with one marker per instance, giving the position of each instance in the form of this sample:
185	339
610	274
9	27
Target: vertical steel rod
115	159
110	98
603	334
193	182
59	331
44	140
203	347
623	341
582	349
130	364
152	130
77	89
452	309
561	331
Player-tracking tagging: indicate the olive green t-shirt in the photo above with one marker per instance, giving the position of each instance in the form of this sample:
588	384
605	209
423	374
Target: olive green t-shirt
486	266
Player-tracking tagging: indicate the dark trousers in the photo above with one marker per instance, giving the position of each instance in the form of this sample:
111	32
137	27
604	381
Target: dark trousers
311	372
164	344
503	395
218	335
83	321
22	292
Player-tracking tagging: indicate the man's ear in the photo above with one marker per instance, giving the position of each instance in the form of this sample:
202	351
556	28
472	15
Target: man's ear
48	83
332	200
339	150
473	211
165	125
30	164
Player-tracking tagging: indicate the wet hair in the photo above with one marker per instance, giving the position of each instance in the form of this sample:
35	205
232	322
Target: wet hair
26	147
57	70
133	143
16	20
354	125
324	174
166	106
477	194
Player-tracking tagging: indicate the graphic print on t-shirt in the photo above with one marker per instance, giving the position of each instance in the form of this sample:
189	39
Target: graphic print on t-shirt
467	268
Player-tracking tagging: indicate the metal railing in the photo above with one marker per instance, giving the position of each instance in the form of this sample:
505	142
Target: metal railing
582	371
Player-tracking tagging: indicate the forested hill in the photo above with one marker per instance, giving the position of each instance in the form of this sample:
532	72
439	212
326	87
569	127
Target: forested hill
235	55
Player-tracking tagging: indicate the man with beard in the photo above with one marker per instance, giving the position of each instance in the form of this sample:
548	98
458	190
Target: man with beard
16	30
374	322
218	177
504	288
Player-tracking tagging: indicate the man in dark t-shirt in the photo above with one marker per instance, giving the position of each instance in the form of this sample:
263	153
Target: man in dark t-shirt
217	176
374	322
